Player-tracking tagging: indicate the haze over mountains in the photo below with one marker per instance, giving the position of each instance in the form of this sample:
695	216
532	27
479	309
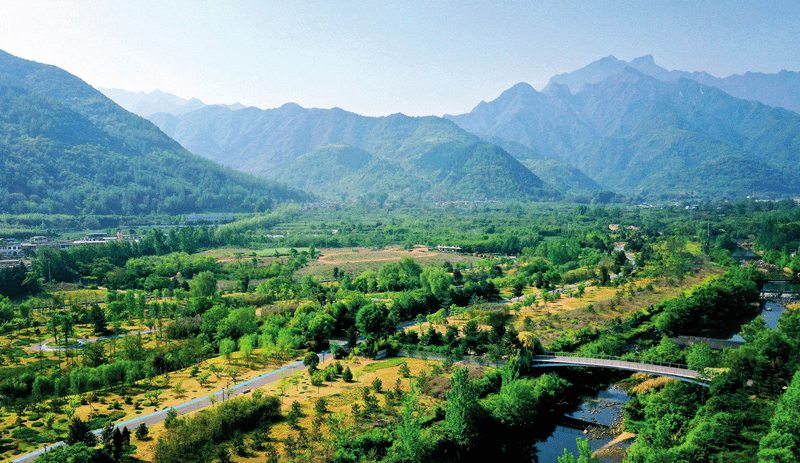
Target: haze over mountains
66	148
781	90
147	104
336	153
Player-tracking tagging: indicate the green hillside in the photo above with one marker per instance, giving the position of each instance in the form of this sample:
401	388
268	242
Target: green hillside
69	149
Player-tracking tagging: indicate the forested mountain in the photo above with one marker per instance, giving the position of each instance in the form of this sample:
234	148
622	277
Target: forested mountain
336	153
779	90
69	149
549	169
147	104
639	135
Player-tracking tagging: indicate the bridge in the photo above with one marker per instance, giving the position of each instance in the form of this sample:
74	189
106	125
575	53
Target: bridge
567	359
672	370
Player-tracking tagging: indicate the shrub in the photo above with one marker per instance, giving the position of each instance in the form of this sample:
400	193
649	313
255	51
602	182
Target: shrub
405	371
191	439
141	432
347	375
377	385
321	406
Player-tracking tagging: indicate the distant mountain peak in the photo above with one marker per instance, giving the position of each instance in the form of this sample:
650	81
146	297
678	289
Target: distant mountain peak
608	59
646	60
640	129
555	89
146	104
522	90
593	73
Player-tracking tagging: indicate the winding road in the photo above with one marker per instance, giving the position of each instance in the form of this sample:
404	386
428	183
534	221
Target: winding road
45	347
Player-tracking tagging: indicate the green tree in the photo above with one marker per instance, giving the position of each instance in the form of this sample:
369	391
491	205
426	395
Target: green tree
311	360
585	454
377	385
76	453
203	285
98	318
141	432
79	432
347	375
320	327
227	347
436	281
374	319
317	379
239	322
410	443
463	410
782	444
94	354
246	347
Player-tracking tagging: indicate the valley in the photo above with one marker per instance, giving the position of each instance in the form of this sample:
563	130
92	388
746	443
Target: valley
228	283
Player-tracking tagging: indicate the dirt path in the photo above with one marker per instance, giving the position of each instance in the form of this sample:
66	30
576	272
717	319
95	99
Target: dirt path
45	347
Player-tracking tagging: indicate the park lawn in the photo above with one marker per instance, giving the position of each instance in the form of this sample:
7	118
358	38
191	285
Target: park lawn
111	402
81	296
339	395
554	319
557	318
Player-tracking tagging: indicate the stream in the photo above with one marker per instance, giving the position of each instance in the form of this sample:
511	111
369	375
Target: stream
604	408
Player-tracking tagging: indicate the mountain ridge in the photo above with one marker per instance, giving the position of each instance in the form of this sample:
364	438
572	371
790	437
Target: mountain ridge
274	143
69	149
627	129
781	89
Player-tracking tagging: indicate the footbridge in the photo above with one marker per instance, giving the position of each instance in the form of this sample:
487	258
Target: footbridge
568	359
672	370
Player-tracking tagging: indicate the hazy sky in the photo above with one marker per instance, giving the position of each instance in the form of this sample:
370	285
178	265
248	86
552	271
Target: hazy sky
382	57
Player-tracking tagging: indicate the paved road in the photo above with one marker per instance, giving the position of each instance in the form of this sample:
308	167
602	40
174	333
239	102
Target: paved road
196	404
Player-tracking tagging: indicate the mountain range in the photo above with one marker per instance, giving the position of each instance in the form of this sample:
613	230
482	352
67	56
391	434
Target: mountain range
146	104
630	127
642	136
610	128
67	148
780	90
335	153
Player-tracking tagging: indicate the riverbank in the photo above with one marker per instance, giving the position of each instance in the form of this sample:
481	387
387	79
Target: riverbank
604	412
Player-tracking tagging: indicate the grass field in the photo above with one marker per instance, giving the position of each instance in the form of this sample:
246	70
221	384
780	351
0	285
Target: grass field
355	261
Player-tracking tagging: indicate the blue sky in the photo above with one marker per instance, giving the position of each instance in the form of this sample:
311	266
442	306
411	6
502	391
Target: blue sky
381	57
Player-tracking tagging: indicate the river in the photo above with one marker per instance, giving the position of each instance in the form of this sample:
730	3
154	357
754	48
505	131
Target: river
773	309
604	408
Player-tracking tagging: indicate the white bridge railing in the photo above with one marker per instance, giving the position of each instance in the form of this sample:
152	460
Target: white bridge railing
608	361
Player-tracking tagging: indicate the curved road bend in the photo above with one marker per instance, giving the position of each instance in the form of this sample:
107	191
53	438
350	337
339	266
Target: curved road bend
46	348
192	405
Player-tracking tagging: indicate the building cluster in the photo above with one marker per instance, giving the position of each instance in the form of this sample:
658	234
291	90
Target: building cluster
12	248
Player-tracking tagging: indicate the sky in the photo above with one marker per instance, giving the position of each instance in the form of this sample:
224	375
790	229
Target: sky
379	57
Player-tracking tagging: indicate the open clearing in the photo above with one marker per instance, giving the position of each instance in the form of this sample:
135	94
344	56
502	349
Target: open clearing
355	261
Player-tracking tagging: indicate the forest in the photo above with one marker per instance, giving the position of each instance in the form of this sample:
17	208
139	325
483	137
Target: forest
367	343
